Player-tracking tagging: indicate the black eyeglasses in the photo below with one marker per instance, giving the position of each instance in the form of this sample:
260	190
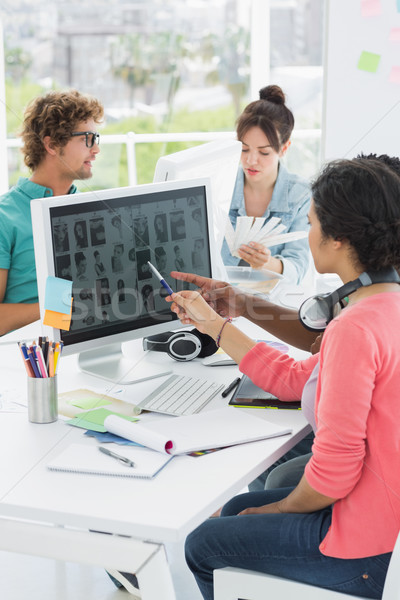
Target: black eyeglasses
91	137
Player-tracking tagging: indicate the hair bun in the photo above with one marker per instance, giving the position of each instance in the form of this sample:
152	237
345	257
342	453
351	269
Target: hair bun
272	93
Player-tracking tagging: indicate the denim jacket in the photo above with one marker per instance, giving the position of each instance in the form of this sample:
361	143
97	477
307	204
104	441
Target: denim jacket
290	202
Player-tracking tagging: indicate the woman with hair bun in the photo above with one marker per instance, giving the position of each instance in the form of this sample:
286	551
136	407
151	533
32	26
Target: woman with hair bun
264	187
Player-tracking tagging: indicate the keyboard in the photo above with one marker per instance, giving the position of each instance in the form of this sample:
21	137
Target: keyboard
181	395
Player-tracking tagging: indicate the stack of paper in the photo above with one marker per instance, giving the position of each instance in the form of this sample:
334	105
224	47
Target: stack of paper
252	229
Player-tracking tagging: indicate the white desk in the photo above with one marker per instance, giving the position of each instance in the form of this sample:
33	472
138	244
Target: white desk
50	514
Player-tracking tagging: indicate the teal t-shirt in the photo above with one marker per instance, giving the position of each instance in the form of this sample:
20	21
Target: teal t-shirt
16	240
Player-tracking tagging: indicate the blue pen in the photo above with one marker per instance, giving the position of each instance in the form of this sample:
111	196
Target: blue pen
24	350
160	278
32	360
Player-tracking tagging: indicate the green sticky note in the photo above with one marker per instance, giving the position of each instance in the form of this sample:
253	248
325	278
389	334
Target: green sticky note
87	403
94	419
78	422
98	415
369	61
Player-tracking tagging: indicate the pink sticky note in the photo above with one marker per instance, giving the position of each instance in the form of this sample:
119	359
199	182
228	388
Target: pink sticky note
394	35
394	76
371	8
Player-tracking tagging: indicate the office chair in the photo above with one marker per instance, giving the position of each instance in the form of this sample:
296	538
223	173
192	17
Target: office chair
234	584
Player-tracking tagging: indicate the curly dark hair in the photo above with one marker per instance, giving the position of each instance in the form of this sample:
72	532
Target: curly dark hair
358	200
56	114
270	114
391	161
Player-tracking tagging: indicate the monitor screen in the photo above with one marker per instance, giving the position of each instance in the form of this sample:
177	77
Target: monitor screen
218	160
102	242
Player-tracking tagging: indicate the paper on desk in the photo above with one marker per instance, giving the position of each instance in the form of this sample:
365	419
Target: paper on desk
252	229
202	431
105	437
88	403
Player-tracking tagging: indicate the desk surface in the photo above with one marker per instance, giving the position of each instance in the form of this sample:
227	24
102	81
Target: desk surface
165	509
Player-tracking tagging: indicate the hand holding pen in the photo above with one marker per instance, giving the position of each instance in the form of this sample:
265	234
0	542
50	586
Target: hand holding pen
162	281
160	278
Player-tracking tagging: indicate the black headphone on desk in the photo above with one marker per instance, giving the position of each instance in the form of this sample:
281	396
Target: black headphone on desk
316	312
181	345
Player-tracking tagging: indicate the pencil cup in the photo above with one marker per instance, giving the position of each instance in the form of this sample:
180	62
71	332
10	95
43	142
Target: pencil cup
42	399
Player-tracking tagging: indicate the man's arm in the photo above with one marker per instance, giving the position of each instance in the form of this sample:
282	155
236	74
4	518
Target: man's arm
14	316
229	301
281	322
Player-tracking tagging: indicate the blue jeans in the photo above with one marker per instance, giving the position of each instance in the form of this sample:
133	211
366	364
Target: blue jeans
286	545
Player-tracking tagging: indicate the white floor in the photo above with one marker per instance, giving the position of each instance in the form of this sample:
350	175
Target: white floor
30	578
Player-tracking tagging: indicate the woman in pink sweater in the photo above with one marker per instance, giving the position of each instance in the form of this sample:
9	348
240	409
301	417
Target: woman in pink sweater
338	527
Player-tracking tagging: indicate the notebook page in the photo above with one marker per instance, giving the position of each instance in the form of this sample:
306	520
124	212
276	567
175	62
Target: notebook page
81	458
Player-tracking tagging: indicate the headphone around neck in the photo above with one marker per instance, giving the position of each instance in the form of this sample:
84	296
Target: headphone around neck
316	312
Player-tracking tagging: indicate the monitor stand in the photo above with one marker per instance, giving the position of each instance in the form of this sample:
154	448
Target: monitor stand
110	363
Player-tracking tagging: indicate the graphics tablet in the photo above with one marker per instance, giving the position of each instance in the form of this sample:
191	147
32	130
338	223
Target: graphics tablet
247	395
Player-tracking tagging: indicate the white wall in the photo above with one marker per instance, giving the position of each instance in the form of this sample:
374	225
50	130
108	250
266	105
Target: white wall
361	107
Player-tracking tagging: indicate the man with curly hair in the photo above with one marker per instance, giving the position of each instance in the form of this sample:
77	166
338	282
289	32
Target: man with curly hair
60	143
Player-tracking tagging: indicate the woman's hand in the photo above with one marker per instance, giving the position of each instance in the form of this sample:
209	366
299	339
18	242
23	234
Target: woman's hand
221	296
302	499
266	509
192	309
255	254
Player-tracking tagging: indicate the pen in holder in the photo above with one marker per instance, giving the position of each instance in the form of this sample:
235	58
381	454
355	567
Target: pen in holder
41	361
42	399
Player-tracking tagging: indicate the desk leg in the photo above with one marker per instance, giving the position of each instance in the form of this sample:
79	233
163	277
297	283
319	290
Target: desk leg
155	579
147	559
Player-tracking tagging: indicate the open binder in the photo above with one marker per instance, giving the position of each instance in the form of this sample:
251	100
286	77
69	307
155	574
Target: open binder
207	430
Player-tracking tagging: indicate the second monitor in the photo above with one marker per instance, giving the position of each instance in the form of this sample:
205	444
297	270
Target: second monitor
218	160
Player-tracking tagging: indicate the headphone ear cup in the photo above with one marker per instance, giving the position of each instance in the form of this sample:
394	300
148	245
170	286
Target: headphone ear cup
184	346
208	345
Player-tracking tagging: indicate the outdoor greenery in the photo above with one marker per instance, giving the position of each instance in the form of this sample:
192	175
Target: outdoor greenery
146	62
111	167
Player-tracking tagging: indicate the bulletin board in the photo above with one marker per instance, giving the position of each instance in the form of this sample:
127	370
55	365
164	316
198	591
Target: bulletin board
361	111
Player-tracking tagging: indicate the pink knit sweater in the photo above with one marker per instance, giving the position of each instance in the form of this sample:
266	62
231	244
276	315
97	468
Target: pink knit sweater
356	453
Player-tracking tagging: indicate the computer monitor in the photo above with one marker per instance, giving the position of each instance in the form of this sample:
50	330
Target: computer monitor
218	160
102	240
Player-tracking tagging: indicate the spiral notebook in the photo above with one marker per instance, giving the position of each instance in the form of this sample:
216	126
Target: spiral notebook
79	458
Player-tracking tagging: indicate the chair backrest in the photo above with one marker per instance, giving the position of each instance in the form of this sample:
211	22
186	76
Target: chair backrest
391	590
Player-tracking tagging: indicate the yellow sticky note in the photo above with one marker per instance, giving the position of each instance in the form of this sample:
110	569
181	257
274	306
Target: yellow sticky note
58	320
369	61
